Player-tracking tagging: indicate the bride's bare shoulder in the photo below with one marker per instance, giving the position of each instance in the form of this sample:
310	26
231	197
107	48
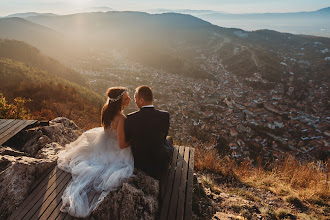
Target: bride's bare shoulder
121	116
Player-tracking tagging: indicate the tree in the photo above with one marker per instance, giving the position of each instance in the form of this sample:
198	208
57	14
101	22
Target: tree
15	110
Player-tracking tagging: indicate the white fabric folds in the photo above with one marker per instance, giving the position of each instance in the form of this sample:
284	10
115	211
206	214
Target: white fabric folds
97	166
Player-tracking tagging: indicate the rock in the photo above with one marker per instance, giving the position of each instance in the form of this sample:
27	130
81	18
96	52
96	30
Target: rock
59	133
35	144
61	130
16	176
137	199
11	152
66	122
50	151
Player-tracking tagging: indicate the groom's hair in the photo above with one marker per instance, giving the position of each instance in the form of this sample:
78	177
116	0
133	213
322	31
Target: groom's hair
144	92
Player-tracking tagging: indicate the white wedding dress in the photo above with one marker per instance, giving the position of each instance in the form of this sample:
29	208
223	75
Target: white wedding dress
97	166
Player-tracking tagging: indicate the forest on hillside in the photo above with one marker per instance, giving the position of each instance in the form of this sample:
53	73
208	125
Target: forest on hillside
33	86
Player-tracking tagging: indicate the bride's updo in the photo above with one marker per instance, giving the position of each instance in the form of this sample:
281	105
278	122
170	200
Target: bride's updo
112	105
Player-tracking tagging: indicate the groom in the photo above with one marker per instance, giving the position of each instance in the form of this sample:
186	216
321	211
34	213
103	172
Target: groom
147	129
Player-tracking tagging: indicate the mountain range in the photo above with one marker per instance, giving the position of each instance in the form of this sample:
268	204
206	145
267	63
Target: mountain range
176	43
311	23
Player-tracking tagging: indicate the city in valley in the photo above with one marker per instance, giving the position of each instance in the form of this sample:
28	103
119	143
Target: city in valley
225	112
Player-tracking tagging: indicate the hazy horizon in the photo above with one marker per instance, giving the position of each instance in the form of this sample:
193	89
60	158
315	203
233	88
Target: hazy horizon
234	7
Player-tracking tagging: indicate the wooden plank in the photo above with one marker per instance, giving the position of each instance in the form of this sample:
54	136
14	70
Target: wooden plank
182	189
38	193
57	214
14	129
8	125
176	185
62	215
163	180
40	179
5	123
2	121
38	201
40	188
53	200
68	217
169	185
188	208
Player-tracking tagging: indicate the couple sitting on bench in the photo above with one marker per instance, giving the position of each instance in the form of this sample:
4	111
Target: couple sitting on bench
102	158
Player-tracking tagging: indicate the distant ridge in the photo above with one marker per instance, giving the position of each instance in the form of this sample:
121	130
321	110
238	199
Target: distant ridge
46	39
29	14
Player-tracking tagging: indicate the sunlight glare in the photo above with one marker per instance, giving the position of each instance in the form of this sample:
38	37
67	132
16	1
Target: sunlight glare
80	3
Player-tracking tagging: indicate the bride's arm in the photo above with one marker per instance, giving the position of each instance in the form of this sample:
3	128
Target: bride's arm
121	133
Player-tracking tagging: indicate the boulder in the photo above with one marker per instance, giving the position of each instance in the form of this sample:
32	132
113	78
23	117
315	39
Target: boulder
66	122
16	176
137	199
38	149
50	151
60	130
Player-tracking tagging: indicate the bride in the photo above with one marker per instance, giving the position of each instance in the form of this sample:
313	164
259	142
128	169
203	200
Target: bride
99	160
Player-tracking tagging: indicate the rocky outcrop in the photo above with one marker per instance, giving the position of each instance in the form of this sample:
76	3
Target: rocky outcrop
16	176
36	151
137	199
60	130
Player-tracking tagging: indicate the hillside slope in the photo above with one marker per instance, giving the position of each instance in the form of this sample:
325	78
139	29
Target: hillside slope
48	95
50	42
20	51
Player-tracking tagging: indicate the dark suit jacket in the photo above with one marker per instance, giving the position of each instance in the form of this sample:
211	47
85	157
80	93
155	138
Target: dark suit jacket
147	129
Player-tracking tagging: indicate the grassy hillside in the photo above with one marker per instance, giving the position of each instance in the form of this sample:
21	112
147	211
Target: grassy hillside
49	96
284	189
20	51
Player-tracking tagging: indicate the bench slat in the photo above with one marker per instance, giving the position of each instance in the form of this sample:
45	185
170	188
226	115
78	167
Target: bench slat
4	124
45	201
168	186
18	213
62	215
188	208
13	130
52	201
182	189
37	203
39	180
176	185
8	126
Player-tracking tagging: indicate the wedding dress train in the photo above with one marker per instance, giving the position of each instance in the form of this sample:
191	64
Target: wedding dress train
97	166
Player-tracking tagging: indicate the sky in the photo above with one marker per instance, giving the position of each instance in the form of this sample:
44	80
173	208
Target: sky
230	6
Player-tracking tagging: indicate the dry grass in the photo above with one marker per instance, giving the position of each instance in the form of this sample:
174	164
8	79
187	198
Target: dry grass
297	183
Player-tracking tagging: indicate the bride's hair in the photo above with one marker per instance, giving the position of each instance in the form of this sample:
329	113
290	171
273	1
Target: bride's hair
113	105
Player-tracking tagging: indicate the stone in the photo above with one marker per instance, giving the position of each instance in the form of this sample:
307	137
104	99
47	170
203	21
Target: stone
16	176
35	144
66	122
50	151
137	199
11	152
61	130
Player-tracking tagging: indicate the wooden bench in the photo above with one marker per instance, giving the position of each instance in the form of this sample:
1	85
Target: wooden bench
44	199
10	127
